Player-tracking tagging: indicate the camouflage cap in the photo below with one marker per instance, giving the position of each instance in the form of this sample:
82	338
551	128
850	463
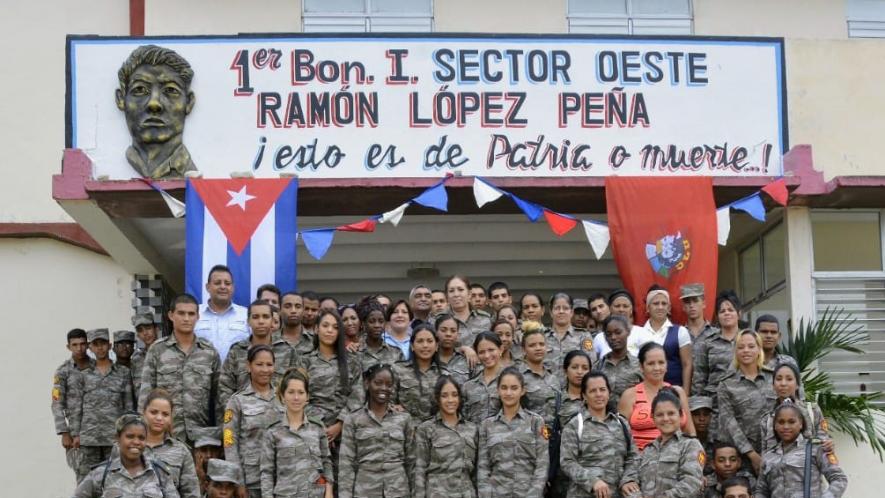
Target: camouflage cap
698	402
94	334
206	436
223	471
580	304
143	319
124	335
691	290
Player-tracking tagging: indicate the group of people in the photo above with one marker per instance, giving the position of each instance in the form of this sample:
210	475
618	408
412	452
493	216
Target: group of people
458	392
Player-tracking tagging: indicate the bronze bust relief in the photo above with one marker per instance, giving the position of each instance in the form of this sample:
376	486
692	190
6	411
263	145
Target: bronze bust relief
156	98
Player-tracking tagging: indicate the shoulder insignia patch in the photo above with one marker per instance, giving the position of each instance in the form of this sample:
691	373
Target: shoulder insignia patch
56	379
228	415
56	394
588	344
228	438
832	458
545	432
702	458
824	425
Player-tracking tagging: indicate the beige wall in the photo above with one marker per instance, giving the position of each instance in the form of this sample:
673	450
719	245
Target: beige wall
835	101
819	19
32	110
48	288
501	16
221	17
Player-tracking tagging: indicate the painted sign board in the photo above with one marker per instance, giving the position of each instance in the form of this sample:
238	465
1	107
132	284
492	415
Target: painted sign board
382	106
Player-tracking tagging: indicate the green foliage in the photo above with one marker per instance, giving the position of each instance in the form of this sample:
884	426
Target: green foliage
857	416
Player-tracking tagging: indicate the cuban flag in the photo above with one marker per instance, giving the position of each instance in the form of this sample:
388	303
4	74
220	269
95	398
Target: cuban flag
247	224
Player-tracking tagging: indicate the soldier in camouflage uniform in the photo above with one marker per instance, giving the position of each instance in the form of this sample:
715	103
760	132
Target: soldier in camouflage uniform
146	331
783	467
713	354
513	449
373	349
187	367
672	465
620	367
542	391
292	308
62	382
449	355
446	448
161	446
415	379
562	337
787	385
124	349
376	458
224	477
101	395
128	473
481	392
234	372
470	322
248	414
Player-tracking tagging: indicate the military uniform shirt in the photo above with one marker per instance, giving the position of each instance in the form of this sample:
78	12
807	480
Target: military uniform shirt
513	456
713	360
63	382
742	403
247	417
234	374
621	375
478	321
292	461
99	400
329	402
376	458
820	427
191	380
179	462
673	469
386	353
569	407
541	392
136	363
480	399
783	472
303	345
599	452
445	459
458	367
558	348
119	484
414	393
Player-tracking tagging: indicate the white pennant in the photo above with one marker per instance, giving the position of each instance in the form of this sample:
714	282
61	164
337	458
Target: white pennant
393	217
175	206
484	193
598	236
723	224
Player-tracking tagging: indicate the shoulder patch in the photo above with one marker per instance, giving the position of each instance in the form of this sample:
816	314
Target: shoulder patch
588	344
56	379
228	438
56	394
831	457
228	415
824	425
702	458
545	432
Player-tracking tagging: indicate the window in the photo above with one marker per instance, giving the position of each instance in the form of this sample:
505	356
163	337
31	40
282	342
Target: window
846	240
630	17
363	16
866	18
762	265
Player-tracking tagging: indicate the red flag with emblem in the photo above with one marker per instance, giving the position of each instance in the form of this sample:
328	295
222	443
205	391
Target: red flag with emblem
663	231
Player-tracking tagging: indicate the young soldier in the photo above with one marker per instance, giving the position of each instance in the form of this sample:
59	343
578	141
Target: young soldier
62	383
187	367
293	331
124	349
102	394
224	477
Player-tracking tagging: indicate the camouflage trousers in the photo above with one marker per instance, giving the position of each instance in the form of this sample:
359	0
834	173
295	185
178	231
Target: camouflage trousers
89	457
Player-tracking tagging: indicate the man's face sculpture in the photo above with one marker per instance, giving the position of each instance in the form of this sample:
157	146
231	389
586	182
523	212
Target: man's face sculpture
156	103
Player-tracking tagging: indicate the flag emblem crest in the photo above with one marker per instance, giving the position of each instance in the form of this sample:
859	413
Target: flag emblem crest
668	254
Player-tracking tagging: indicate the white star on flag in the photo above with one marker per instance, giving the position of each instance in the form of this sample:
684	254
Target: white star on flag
239	198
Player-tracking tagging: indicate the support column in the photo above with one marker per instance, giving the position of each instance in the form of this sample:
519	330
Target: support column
800	263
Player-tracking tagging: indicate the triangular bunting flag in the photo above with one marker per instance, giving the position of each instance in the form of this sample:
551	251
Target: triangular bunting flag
752	205
367	225
778	191
598	236
176	207
484	193
531	210
723	224
318	241
559	223
394	216
239	204
435	197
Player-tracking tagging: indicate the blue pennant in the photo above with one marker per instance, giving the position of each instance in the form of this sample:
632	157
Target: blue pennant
435	197
318	241
531	210
752	205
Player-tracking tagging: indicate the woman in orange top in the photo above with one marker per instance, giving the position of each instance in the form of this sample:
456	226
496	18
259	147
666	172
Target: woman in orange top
635	403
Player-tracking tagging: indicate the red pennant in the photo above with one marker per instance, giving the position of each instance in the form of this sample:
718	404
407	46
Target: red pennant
367	225
778	191
560	224
239	204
